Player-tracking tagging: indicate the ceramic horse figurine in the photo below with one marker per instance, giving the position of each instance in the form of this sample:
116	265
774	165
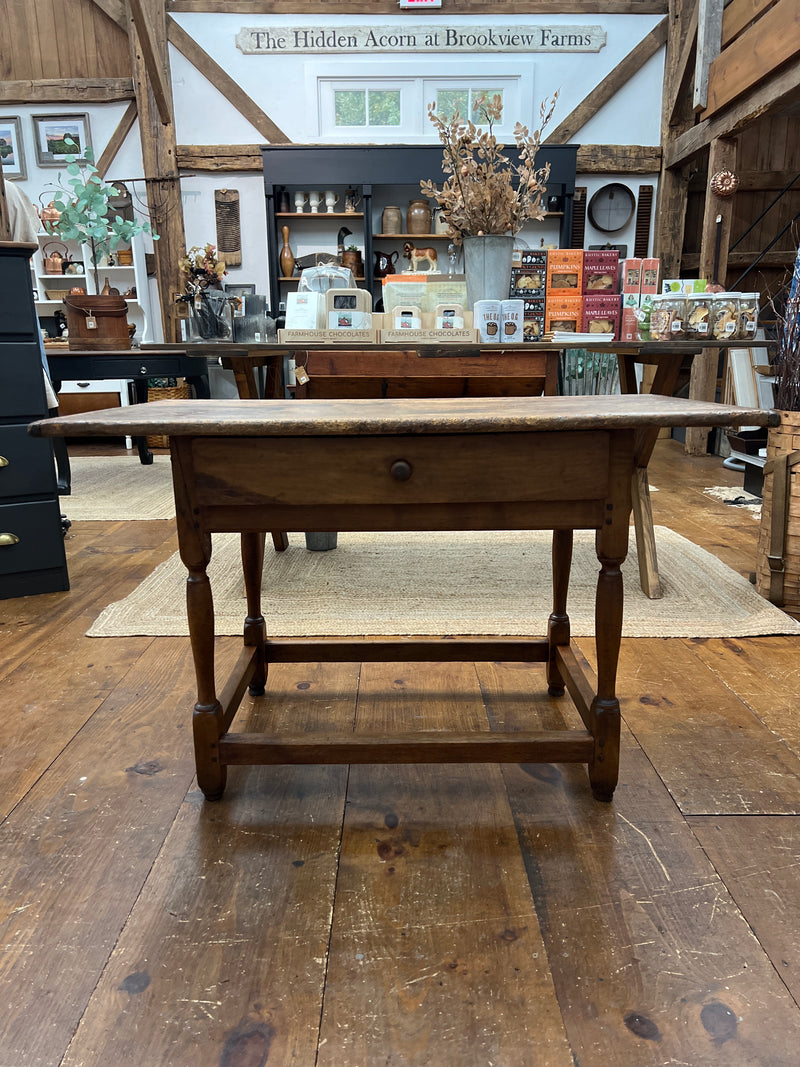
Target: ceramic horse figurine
415	256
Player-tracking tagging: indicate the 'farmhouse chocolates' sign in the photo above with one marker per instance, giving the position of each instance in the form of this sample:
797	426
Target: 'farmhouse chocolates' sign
284	40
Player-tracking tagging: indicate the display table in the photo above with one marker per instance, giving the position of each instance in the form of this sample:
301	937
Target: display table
68	365
560	463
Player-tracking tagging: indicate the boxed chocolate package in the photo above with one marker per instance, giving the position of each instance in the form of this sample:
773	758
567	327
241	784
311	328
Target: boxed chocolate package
600	270
565	270
650	268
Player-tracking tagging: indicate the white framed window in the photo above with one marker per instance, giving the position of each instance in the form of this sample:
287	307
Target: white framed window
392	106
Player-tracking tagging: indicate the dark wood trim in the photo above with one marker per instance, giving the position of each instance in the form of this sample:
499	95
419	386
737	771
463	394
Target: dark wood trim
455	7
66	91
610	85
5	222
592	158
681	71
161	89
221	80
115	142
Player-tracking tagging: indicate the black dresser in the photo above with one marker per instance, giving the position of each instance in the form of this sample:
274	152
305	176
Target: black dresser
32	558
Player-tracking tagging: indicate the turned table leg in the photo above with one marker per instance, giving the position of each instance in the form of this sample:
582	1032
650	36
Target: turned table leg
558	623
254	627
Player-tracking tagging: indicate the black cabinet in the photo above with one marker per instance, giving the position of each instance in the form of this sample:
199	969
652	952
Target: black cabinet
32	557
372	171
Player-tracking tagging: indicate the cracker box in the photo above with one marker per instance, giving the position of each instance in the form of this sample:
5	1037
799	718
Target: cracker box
532	318
650	268
628	322
601	314
600	270
563	313
528	272
565	270
630	276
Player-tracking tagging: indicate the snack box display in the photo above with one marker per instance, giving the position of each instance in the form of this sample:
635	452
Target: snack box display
565	270
601	314
630	276
563	313
511	312
650	270
424	290
428	331
629	320
600	270
533	318
528	272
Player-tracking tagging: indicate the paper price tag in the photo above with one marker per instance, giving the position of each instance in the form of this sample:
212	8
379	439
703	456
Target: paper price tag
91	322
300	376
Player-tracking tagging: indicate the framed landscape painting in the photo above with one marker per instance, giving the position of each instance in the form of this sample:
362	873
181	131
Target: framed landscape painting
53	134
11	150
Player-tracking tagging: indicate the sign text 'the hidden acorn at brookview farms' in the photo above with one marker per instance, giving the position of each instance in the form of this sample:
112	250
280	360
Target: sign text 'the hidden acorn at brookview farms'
285	40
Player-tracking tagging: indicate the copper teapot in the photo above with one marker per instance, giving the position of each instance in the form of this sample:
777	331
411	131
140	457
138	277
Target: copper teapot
49	213
54	261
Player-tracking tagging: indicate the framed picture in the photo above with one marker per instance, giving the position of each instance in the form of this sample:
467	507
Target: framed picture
11	149
241	291
51	133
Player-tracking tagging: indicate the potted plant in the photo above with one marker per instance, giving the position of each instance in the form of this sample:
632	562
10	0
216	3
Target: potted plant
486	198
778	554
86	215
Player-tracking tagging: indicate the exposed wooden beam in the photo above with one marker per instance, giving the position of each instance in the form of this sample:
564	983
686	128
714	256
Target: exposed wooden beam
770	96
679	77
761	49
618	158
153	66
124	126
66	91
738	15
389	7
610	85
591	159
709	38
714	243
116	11
161	170
761	180
776	260
221	80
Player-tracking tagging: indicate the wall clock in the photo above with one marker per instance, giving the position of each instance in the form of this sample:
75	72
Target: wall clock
611	207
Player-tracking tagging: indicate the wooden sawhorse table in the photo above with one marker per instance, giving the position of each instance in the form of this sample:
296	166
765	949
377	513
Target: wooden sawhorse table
560	463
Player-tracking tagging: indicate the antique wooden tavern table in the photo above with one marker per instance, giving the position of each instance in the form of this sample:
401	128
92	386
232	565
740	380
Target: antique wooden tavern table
557	463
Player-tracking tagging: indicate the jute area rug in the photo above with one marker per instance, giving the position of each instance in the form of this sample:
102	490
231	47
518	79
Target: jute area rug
448	583
110	488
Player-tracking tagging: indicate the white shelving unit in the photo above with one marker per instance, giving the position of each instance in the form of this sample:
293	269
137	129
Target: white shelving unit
125	279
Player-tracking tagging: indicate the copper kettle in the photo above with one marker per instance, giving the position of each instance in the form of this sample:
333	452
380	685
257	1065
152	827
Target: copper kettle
49	213
54	261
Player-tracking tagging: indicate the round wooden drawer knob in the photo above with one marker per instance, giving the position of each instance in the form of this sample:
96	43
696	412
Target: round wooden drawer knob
401	470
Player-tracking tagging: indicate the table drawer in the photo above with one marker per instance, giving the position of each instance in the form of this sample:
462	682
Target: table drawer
140	366
400	470
26	463
39	541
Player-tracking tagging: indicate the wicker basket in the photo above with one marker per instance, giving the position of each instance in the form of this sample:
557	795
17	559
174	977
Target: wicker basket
781	537
56	294
181	391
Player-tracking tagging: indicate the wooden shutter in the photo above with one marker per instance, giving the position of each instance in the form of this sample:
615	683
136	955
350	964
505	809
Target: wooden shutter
644	210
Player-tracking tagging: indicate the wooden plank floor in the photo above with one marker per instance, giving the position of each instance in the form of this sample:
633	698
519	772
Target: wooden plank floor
413	915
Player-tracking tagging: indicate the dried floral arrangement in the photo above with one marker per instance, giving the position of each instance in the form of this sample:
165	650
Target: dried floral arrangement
201	266
485	192
786	364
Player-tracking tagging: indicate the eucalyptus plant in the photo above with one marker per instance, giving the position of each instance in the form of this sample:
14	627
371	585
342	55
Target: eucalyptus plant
84	202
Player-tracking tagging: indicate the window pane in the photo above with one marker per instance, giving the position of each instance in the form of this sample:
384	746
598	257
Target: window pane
447	100
350	107
487	92
384	107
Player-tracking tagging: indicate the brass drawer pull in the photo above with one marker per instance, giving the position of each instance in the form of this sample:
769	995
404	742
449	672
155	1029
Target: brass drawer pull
8	539
401	470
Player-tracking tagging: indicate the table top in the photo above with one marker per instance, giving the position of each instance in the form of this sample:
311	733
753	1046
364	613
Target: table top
62	352
274	347
270	418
